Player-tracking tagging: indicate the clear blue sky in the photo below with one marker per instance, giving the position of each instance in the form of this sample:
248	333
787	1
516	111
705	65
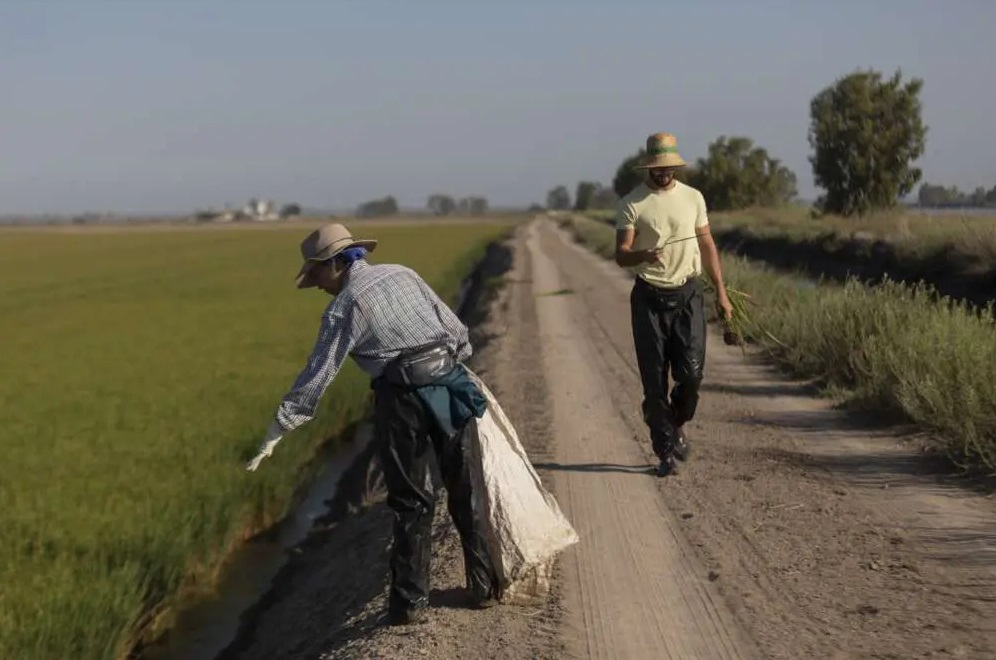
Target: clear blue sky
161	106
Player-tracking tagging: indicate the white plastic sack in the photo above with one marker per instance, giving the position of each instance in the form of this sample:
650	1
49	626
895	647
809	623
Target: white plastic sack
525	527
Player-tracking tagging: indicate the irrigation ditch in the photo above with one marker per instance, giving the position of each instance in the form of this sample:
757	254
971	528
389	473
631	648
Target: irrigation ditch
871	261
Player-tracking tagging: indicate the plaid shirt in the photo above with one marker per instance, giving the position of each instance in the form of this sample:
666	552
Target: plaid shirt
382	310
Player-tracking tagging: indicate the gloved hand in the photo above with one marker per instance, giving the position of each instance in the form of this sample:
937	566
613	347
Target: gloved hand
273	435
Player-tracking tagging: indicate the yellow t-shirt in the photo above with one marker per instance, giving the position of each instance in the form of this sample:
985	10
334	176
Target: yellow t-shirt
665	216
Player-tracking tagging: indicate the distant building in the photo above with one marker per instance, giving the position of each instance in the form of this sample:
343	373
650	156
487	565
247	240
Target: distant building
255	210
260	210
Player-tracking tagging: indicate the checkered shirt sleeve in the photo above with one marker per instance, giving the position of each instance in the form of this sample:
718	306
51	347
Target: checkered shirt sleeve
382	311
336	337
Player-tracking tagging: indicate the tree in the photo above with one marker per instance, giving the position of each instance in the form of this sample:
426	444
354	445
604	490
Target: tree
935	196
626	177
558	199
441	204
584	196
604	198
592	195
378	207
473	205
738	174
478	206
288	210
866	133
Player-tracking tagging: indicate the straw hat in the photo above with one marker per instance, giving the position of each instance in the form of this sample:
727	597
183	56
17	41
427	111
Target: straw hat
323	244
662	151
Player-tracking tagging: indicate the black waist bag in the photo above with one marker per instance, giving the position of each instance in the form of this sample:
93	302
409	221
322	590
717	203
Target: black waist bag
421	366
668	300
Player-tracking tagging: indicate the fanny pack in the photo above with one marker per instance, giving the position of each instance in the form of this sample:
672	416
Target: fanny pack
421	366
661	300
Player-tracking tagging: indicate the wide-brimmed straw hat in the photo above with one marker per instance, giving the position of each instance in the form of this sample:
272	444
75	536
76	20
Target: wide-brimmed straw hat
325	243
662	151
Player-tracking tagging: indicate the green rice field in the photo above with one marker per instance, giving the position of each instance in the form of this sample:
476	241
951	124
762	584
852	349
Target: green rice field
140	370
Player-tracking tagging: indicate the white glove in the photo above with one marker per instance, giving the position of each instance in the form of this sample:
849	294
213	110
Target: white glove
273	435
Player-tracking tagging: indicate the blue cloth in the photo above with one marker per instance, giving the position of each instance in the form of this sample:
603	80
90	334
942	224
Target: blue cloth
453	400
349	255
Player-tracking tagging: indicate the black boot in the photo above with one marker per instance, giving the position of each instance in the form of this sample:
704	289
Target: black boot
680	440
681	448
405	616
664	446
668	466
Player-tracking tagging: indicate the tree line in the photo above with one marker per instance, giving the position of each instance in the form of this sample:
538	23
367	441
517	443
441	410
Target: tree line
437	204
735	174
865	134
937	196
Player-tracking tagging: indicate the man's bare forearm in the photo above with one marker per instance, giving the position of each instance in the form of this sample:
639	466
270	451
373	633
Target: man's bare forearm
628	258
712	267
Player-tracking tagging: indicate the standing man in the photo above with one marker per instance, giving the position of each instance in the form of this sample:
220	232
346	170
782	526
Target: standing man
411	344
662	235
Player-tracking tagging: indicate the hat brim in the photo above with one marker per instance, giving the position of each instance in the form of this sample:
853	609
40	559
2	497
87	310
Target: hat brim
305	278
661	160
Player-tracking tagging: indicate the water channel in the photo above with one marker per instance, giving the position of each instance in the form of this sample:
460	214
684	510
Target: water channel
203	631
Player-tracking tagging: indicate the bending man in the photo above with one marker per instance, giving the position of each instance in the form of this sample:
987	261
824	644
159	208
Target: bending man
411	344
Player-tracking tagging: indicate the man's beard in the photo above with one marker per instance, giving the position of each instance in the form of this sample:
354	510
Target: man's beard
662	180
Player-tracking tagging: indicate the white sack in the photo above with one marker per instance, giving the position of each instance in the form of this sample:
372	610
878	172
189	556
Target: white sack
525	527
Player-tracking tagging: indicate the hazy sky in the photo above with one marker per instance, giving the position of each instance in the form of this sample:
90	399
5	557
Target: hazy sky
160	106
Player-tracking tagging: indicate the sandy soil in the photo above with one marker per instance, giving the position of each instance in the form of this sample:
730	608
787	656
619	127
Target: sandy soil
793	532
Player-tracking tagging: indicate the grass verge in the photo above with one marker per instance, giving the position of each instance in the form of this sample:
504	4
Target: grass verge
140	371
892	348
955	254
964	241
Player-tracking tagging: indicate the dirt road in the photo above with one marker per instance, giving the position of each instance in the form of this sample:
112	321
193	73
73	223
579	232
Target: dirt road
633	587
793	532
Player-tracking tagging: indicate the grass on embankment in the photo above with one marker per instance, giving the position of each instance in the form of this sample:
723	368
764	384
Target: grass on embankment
140	370
939	243
891	348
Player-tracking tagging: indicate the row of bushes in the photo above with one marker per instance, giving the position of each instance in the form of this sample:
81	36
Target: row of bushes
892	348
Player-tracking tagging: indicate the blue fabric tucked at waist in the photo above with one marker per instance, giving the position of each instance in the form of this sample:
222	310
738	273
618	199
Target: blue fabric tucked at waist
453	400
